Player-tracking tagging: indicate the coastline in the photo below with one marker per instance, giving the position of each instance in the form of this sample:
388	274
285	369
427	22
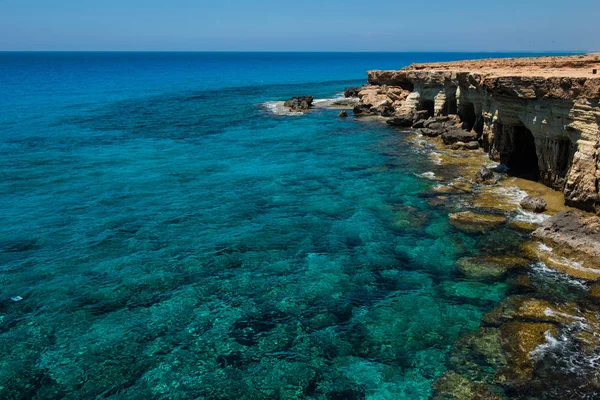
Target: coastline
537	343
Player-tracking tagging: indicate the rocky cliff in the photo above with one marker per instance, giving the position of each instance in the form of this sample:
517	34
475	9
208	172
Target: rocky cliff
538	116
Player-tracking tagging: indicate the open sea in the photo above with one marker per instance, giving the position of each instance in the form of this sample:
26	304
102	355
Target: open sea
164	235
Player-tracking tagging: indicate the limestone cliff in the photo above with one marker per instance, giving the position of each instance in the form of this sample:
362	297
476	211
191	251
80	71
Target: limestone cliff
539	116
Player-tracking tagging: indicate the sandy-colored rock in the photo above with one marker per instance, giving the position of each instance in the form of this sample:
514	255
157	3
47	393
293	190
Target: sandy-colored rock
539	116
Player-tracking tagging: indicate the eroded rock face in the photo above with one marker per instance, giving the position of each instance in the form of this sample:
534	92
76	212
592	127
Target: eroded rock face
351	91
538	116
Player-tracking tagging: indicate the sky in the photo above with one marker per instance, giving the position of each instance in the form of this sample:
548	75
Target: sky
306	25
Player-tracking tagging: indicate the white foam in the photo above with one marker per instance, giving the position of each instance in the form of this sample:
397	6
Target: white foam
277	108
428	175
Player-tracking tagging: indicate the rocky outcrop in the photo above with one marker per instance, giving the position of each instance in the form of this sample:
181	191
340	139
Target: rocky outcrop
351	91
538	116
299	104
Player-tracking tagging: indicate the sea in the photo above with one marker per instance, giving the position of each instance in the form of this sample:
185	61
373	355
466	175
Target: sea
166	234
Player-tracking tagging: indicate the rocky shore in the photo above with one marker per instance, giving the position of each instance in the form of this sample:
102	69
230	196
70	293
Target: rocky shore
531	123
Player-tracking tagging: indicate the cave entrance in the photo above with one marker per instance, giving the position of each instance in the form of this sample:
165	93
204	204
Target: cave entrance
467	116
428	105
450	107
523	161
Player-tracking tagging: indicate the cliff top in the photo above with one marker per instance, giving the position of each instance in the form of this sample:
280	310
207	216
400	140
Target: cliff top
547	66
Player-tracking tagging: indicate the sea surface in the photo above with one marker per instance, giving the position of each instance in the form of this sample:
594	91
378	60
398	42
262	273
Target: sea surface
165	235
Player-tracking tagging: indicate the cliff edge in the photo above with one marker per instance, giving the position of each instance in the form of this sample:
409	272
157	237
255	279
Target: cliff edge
539	116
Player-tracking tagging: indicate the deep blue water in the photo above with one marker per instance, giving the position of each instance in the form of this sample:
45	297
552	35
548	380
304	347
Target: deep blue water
169	238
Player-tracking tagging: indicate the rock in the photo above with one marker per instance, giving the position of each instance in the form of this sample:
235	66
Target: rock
418	124
452	386
402	121
519	339
351	91
535	204
454	135
523	308
489	267
471	146
474	354
361	109
557	90
472	222
484	175
421	115
429	132
552	258
343	114
299	104
574	236
523	226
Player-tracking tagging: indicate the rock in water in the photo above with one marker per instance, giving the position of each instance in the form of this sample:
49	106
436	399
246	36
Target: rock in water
343	114
351	91
458	135
534	204
361	109
299	103
403	121
484	175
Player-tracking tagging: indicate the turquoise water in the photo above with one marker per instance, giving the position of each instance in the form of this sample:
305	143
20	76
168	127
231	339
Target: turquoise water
164	236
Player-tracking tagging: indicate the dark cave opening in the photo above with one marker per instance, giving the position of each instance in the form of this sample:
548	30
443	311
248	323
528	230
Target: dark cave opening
467	116
450	107
428	105
523	161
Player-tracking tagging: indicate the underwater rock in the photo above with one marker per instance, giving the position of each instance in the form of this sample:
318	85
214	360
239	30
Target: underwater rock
489	267
299	103
343	114
530	309
351	91
478	355
519	339
473	222
452	386
484	175
535	204
523	226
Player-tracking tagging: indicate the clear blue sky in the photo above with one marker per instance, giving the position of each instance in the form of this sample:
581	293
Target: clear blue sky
305	25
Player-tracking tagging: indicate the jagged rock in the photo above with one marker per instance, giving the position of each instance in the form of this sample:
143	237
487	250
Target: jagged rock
361	109
419	124
351	91
299	103
535	204
403	121
343	114
454	135
429	132
484	175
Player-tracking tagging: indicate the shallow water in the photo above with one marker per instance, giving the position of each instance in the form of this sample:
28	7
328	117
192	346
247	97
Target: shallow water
165	236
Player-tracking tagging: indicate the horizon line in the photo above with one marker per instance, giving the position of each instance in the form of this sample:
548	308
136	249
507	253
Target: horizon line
305	51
